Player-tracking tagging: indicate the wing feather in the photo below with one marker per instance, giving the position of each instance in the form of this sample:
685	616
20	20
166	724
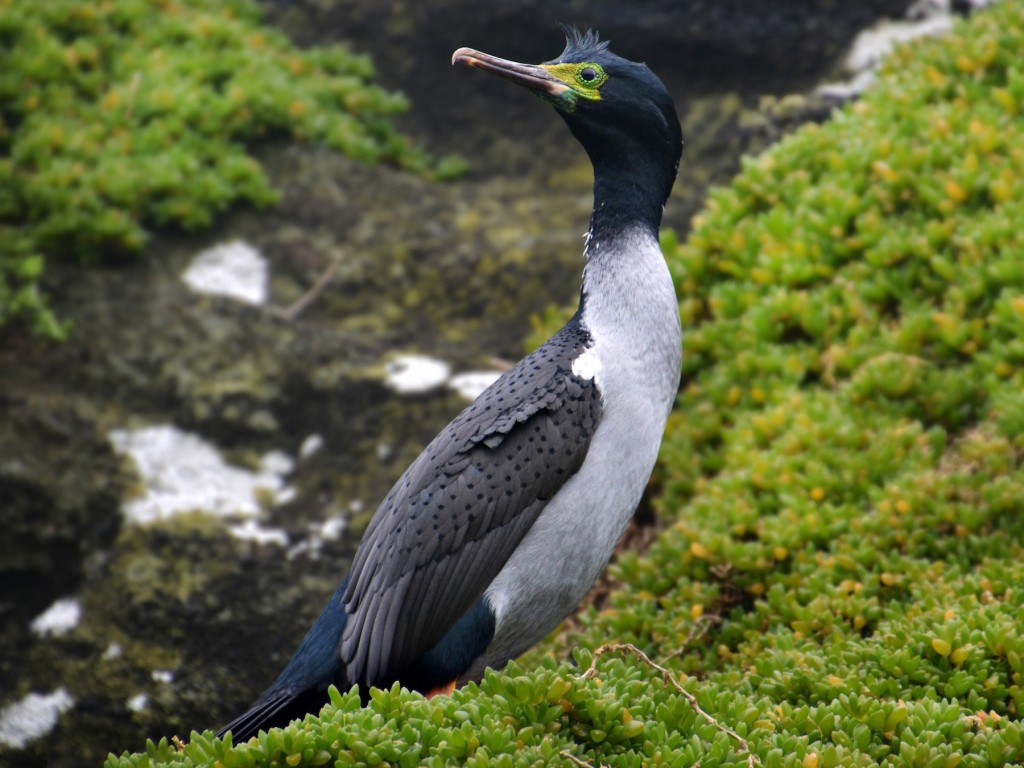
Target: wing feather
451	522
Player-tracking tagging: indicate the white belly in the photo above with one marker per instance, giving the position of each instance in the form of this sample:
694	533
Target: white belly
570	544
633	318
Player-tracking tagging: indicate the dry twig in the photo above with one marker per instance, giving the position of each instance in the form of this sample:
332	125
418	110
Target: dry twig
670	679
293	311
570	756
730	595
698	632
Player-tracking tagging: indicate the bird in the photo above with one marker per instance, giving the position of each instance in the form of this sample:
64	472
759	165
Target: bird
497	531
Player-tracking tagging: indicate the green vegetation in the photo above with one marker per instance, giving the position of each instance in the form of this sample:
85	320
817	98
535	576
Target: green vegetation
839	580
125	115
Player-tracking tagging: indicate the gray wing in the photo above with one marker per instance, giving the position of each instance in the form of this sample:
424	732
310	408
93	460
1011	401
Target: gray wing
453	519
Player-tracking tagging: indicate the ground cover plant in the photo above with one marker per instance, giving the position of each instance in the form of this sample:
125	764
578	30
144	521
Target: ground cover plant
838	581
122	116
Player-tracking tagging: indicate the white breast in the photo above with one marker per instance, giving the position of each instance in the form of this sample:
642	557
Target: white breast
632	315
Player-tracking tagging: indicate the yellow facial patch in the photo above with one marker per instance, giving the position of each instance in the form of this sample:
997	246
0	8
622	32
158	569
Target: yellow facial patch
584	78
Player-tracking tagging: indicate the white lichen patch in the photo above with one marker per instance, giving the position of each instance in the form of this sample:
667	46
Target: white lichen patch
59	619
414	374
113	651
330	529
34	716
250	530
286	495
873	44
277	463
181	473
472	383
138	702
162	675
310	446
235	270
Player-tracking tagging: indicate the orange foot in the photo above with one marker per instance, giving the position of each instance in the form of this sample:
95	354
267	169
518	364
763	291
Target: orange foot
444	690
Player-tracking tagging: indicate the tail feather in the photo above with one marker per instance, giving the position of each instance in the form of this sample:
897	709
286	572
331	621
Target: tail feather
275	710
302	686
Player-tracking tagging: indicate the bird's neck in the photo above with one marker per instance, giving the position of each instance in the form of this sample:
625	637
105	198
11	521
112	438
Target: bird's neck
626	283
628	194
625	274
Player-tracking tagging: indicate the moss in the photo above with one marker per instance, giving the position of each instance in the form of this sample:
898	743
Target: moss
125	116
838	577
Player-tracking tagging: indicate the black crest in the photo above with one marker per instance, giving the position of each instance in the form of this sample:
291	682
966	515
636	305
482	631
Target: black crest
581	46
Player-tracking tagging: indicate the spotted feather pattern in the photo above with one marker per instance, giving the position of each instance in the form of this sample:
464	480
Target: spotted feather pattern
453	519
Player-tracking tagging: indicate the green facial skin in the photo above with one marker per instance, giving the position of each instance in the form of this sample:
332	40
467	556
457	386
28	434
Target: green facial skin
561	84
584	80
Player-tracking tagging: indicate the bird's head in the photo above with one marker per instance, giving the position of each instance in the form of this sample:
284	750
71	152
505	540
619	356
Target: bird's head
618	110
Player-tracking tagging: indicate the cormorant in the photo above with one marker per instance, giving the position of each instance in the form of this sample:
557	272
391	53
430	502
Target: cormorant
500	527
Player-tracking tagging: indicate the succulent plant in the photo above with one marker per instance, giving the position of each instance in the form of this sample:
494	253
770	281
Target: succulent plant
120	118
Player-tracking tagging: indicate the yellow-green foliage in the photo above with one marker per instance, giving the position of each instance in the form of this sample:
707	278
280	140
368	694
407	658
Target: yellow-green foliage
126	114
841	573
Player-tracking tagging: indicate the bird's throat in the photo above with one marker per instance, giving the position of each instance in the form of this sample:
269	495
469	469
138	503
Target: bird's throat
626	201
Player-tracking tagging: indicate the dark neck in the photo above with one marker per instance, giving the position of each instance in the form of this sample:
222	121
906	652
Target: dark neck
626	199
628	193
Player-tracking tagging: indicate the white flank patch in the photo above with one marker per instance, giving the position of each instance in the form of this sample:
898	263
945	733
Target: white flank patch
184	473
414	374
235	269
472	383
587	365
250	530
59	619
138	702
34	716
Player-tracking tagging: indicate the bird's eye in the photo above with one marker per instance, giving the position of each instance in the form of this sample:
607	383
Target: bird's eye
588	74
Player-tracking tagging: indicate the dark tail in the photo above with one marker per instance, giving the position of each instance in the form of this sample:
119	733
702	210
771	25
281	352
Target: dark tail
275	709
302	687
